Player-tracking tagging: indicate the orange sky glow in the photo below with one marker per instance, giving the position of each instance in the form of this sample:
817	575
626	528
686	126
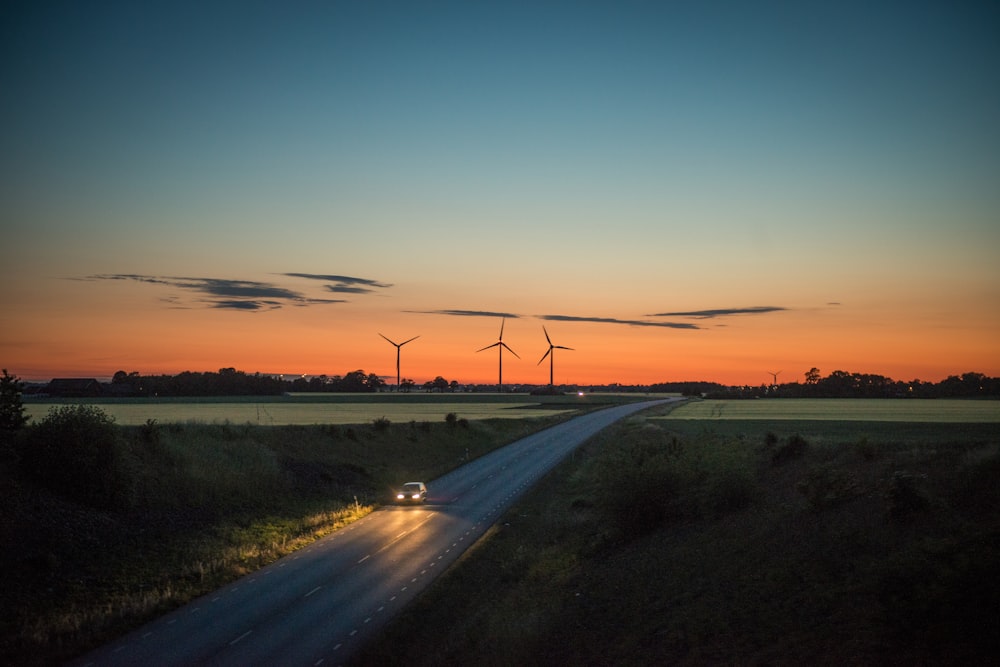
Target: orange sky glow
678	194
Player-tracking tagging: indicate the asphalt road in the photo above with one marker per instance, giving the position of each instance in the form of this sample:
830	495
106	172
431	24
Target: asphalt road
319	604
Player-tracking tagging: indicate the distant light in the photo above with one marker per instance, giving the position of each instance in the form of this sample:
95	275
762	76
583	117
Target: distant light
579	393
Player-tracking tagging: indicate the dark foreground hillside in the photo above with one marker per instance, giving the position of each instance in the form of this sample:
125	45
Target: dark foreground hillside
187	508
737	543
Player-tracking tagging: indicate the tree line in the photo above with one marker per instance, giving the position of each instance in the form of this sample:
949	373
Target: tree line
841	384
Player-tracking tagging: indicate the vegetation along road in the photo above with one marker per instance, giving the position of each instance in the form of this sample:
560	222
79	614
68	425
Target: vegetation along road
320	604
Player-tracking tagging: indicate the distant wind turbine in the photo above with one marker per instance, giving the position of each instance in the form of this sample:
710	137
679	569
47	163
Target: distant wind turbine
398	348
501	346
550	355
774	383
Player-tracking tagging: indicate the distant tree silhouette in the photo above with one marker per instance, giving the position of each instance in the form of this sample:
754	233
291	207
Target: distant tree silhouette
12	417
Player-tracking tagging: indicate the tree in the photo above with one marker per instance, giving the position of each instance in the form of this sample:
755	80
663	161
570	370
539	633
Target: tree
812	375
74	451
12	417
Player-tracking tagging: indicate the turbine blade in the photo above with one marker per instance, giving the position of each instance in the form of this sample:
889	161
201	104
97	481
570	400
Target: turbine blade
549	340
562	347
547	353
407	341
508	348
393	342
501	327
489	346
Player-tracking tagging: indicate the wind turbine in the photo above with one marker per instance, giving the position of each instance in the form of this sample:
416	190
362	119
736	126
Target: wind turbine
500	345
550	354
774	383
398	347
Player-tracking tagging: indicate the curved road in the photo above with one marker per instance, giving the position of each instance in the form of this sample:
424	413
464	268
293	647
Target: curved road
319	604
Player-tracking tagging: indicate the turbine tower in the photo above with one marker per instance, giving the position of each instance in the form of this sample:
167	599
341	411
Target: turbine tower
398	348
550	354
500	345
774	382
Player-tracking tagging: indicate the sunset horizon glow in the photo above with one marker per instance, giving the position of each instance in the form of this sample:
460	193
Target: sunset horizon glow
677	194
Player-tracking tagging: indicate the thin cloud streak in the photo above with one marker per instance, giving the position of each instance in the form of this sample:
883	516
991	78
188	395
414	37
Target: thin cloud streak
342	281
244	295
612	320
722	312
465	313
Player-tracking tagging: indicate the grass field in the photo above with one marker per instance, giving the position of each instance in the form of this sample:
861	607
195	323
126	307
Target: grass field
201	505
733	542
845	409
305	409
669	539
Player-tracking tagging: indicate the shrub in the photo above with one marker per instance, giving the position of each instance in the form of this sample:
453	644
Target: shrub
12	417
75	451
826	487
866	450
793	449
730	491
150	432
381	424
451	419
903	495
978	493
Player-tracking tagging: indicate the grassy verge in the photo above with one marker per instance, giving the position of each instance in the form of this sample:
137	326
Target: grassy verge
199	505
672	542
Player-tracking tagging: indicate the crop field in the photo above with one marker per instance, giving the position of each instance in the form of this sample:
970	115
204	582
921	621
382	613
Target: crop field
307	409
844	409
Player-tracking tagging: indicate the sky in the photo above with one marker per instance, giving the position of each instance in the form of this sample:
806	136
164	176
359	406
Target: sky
677	191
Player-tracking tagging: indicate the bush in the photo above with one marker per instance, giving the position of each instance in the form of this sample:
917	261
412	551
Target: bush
903	496
12	417
793	449
75	451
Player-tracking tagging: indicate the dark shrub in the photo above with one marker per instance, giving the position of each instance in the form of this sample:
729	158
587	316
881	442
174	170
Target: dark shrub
979	493
730	491
903	495
451	418
827	487
793	449
12	417
381	424
74	451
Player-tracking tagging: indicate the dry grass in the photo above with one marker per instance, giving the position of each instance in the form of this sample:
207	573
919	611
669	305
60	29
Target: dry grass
863	547
206	503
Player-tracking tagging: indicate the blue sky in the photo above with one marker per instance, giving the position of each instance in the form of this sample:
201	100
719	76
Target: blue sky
586	160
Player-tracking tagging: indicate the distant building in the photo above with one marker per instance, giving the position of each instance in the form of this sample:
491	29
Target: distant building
74	388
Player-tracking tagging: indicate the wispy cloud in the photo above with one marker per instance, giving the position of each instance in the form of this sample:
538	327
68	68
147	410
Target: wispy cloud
224	294
233	304
613	320
721	312
343	284
466	313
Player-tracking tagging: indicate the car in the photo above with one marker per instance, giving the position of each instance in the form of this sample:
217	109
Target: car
412	492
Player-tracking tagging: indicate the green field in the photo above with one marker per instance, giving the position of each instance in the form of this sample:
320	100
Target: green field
306	409
845	409
752	541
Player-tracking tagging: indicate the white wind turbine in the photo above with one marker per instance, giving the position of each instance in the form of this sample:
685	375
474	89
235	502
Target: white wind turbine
501	346
399	347
550	355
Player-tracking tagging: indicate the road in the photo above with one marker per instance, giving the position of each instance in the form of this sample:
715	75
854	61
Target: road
320	604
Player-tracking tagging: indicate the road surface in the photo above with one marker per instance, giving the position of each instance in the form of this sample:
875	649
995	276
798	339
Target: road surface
318	605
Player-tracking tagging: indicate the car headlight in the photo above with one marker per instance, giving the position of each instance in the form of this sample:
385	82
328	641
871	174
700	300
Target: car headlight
416	496
400	496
